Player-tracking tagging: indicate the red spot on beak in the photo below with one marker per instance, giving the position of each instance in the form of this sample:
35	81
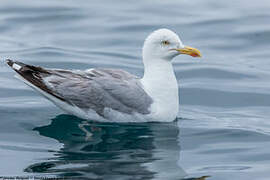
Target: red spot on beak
194	55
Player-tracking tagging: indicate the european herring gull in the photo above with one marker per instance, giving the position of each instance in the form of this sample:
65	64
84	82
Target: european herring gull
112	94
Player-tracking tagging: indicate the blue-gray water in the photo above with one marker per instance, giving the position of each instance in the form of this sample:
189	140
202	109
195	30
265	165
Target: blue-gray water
223	130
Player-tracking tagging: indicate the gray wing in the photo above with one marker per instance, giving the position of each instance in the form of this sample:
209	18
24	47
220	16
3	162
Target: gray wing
100	88
96	89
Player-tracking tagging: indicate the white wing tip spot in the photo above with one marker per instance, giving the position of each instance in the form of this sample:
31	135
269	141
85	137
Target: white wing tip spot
16	66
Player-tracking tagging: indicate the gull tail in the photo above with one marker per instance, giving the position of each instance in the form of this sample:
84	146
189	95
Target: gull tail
33	76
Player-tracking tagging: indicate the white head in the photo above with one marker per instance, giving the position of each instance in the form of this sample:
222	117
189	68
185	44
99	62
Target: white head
164	44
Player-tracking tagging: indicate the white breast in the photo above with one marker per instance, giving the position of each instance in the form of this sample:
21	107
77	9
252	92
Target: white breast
161	85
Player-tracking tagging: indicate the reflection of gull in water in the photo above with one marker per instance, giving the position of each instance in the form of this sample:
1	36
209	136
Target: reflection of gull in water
114	151
113	94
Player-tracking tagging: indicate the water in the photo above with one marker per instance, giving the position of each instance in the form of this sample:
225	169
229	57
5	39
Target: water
223	129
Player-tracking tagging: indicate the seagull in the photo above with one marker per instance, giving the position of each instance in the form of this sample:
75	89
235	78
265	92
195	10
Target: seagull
114	95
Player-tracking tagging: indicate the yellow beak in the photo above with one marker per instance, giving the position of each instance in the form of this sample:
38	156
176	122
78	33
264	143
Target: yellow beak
189	51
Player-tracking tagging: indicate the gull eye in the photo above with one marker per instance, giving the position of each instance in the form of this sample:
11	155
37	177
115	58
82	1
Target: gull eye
165	43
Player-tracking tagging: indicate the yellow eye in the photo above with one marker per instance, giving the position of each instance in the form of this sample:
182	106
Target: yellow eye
165	43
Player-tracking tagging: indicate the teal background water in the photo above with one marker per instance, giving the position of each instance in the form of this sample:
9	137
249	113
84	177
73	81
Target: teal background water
223	129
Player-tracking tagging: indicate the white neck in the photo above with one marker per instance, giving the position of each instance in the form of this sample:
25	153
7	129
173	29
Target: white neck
160	83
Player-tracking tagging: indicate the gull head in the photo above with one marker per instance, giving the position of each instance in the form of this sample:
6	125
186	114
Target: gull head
164	44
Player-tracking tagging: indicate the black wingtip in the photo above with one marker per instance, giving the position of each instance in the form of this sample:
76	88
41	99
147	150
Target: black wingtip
9	62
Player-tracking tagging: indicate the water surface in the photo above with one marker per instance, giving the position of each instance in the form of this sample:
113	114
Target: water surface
223	129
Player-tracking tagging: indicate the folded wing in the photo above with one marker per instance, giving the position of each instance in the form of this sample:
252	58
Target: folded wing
94	89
